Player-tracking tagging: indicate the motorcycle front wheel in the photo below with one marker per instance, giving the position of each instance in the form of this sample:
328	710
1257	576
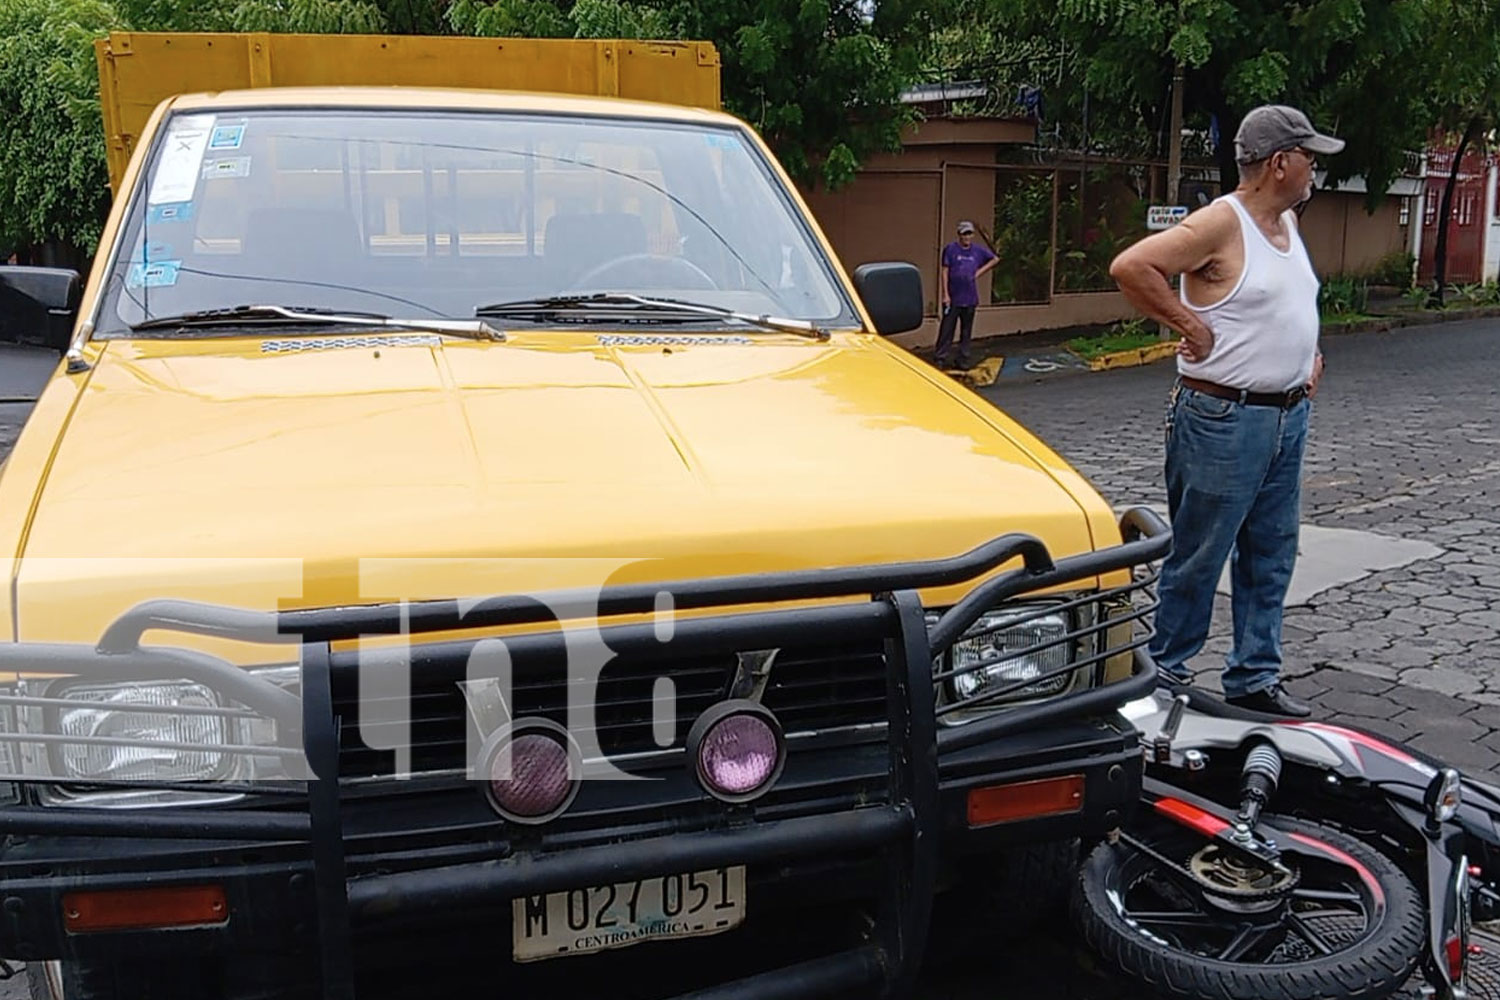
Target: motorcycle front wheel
1213	924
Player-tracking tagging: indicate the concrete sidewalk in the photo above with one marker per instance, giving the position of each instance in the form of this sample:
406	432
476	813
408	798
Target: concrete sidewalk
1044	353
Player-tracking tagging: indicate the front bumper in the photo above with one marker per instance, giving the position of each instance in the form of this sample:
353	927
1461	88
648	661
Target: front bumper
317	879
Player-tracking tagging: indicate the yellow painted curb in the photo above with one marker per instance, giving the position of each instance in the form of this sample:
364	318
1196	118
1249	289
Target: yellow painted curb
981	375
1134	357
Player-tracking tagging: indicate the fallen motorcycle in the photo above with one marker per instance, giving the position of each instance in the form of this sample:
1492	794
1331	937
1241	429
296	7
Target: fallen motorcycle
1295	860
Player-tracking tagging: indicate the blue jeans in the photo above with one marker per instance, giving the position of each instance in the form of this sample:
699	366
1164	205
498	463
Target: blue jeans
1234	489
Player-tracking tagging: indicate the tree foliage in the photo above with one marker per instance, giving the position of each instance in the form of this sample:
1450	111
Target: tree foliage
1357	67
53	183
821	79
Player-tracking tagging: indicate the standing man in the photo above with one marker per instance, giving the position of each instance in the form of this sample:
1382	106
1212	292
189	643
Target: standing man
1248	363
963	262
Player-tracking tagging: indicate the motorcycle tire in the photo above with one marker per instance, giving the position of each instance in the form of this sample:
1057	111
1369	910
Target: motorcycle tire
1380	958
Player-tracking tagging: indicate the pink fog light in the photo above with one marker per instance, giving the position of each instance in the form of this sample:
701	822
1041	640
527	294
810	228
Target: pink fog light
529	776
739	754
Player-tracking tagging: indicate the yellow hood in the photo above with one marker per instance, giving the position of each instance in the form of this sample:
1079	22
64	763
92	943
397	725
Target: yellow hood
258	473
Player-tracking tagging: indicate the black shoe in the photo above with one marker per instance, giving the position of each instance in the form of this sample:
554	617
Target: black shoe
1272	701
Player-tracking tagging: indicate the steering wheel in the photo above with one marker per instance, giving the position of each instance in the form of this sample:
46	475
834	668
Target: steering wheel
644	271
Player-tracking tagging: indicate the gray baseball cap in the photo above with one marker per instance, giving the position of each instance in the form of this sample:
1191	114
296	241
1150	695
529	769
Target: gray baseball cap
966	226
1271	128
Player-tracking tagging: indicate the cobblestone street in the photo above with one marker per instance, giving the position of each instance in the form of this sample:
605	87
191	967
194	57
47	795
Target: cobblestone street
1403	445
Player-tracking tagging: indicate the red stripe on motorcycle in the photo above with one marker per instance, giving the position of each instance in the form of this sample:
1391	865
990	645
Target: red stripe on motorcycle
1190	815
1333	852
1361	740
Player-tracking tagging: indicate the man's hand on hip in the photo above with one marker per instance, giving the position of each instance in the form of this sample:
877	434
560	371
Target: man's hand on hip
1197	341
1317	376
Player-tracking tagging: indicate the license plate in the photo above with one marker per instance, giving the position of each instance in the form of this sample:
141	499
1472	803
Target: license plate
581	921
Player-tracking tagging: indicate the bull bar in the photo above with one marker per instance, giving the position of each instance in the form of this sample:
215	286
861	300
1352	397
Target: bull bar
903	827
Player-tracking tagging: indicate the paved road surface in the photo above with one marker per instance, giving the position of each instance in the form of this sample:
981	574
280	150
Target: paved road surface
1400	638
1403	446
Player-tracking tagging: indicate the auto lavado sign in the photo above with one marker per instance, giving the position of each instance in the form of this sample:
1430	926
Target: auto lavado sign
1164	216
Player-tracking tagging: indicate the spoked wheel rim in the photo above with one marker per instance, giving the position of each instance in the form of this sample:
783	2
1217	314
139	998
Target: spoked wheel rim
1234	912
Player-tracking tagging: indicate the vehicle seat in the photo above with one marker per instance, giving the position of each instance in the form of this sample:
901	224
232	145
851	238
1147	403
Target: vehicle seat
575	244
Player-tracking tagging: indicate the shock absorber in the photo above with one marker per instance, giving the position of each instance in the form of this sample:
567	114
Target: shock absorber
1261	773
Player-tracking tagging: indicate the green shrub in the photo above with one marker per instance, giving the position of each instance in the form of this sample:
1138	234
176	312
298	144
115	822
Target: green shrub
1473	294
1343	294
1127	335
1416	296
1394	269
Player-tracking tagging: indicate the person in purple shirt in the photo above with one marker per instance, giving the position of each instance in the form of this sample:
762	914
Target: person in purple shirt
963	263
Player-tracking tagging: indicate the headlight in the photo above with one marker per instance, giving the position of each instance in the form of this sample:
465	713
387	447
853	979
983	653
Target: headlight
95	718
999	633
157	732
1007	647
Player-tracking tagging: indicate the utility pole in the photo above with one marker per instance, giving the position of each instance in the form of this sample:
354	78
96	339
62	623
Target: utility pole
1174	138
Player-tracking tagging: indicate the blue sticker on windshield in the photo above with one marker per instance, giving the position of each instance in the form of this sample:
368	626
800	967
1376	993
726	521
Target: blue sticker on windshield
721	140
227	137
157	250
177	211
157	274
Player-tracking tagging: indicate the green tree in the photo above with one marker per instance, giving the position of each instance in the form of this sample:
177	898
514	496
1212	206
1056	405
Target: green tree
1463	89
820	79
620	19
1354	65
333	17
305	16
55	189
511	18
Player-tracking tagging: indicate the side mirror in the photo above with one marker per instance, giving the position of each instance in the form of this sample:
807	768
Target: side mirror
39	305
892	292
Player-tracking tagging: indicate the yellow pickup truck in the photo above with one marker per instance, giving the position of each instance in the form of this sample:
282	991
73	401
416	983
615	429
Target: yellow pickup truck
480	536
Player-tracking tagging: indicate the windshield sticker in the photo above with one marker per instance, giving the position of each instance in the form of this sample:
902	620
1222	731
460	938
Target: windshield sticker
156	274
177	170
227	137
229	166
181	211
721	140
156	250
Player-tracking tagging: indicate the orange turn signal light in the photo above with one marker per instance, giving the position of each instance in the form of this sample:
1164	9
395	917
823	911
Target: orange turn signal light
135	909
1025	800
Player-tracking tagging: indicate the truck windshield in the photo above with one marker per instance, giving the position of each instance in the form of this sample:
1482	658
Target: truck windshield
437	213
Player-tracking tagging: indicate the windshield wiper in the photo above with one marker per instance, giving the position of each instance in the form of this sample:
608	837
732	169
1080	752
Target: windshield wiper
284	316
605	302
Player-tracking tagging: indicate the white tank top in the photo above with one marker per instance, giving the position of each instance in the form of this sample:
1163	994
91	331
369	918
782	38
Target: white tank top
1266	328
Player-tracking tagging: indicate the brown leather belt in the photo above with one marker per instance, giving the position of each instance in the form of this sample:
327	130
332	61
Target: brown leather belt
1285	400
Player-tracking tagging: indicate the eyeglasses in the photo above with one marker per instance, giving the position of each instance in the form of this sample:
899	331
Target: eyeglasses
1312	158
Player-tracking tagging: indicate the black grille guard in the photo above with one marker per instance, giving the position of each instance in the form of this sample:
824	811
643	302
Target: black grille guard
904	826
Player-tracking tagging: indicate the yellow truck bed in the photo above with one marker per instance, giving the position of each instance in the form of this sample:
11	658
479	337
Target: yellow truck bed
138	70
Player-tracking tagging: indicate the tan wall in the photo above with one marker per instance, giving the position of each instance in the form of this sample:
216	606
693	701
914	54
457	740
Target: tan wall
1342	238
906	206
914	158
1065	310
885	215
